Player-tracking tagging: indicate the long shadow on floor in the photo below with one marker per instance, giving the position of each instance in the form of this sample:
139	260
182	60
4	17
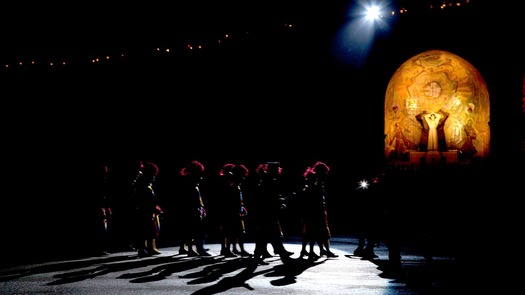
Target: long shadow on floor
287	271
426	277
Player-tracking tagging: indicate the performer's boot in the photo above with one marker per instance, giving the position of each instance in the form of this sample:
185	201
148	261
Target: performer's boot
141	249
152	247
191	252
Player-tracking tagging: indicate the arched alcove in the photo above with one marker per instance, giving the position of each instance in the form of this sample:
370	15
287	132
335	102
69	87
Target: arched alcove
437	110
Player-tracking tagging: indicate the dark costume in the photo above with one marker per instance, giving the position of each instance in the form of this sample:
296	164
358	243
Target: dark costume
192	211
122	180
314	212
232	211
147	211
368	219
267	207
103	215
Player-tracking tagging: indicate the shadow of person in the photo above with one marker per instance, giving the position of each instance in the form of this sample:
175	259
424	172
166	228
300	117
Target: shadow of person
438	277
236	281
164	271
390	270
215	271
17	273
99	270
290	270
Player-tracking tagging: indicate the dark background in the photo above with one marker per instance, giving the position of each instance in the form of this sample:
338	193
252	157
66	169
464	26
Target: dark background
268	93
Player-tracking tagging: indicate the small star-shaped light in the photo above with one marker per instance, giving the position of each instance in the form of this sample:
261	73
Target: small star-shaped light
363	184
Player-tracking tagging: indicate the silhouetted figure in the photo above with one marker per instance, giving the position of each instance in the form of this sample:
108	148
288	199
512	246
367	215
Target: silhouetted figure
103	215
369	216
314	212
267	207
123	213
147	211
192	212
391	210
382	220
304	205
232	211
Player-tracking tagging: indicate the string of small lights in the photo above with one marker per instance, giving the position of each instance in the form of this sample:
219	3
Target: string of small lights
43	60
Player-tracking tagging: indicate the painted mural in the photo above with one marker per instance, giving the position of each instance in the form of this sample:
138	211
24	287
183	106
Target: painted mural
437	102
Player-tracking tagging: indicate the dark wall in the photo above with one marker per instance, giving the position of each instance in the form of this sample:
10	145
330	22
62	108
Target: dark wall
276	95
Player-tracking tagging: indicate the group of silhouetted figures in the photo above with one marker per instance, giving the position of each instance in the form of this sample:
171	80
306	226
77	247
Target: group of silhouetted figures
139	216
135	220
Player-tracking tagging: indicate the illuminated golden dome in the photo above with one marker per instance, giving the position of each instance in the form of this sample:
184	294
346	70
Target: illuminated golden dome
438	82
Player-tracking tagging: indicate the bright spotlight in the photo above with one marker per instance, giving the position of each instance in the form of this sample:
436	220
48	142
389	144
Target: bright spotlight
372	13
366	18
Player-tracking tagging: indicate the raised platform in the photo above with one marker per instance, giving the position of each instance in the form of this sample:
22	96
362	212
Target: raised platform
417	159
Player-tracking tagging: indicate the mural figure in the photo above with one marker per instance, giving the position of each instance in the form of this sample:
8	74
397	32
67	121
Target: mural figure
468	150
400	143
432	131
432	120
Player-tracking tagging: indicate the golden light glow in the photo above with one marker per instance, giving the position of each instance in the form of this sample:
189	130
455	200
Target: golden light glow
431	82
